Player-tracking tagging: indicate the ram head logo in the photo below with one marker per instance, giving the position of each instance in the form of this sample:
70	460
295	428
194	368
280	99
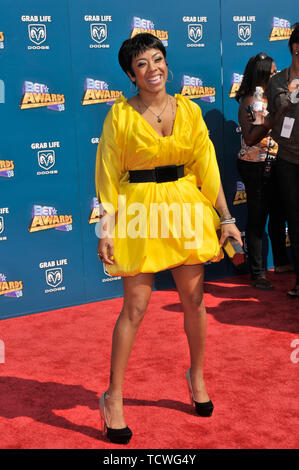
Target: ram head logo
195	32
98	32
54	277
46	159
37	33
244	31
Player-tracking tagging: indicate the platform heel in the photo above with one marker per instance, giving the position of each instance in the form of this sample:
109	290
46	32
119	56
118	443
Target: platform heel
204	409
117	436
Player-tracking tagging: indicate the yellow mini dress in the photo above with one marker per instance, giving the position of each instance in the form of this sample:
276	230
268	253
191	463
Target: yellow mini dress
158	226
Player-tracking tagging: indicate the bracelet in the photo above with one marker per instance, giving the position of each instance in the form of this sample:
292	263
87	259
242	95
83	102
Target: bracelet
232	220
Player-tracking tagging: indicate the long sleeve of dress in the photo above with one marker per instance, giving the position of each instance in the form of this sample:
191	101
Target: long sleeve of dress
108	165
204	164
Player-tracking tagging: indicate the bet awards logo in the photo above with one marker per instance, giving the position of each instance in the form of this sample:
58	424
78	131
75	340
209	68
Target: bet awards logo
7	168
240	194
45	218
37	31
10	288
97	91
94	215
235	84
281	29
1	40
36	95
141	25
193	88
98	30
244	29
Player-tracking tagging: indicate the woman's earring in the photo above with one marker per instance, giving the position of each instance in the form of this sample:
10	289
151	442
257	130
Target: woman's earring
169	81
133	88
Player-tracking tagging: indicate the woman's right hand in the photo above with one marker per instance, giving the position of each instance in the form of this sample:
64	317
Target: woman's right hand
252	134
106	250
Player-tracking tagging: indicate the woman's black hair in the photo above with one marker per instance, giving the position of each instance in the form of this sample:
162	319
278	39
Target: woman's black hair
294	38
136	45
257	73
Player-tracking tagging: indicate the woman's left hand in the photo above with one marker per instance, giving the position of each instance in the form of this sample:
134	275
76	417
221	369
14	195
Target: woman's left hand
230	230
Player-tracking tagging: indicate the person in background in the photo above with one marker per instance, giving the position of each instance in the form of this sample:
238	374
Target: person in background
283	107
256	166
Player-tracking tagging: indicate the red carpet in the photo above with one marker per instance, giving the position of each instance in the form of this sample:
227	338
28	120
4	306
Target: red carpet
57	365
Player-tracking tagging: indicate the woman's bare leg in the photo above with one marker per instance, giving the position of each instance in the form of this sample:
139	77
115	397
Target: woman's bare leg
189	282
137	292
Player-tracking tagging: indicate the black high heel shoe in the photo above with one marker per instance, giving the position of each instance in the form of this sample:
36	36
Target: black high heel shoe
204	409
117	436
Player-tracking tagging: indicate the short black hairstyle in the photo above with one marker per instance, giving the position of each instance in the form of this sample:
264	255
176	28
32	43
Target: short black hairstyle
294	38
136	45
257	73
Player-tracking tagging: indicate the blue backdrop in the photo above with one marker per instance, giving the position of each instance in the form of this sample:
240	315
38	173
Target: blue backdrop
59	75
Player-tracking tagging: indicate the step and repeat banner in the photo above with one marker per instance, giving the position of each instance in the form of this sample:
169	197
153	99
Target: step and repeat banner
59	76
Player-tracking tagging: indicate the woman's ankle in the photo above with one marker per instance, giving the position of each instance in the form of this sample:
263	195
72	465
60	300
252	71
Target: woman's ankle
197	375
113	394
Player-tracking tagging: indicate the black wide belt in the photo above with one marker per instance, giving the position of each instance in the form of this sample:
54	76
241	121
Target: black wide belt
160	174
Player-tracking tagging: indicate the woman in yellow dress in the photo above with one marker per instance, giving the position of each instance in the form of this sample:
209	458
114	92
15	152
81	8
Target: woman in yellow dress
157	182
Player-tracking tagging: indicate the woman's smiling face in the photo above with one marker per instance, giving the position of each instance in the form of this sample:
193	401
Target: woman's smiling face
150	70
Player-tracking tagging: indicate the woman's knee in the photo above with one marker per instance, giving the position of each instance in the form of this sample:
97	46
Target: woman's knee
134	312
194	302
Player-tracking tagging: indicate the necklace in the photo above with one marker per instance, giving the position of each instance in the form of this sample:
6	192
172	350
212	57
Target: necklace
157	115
